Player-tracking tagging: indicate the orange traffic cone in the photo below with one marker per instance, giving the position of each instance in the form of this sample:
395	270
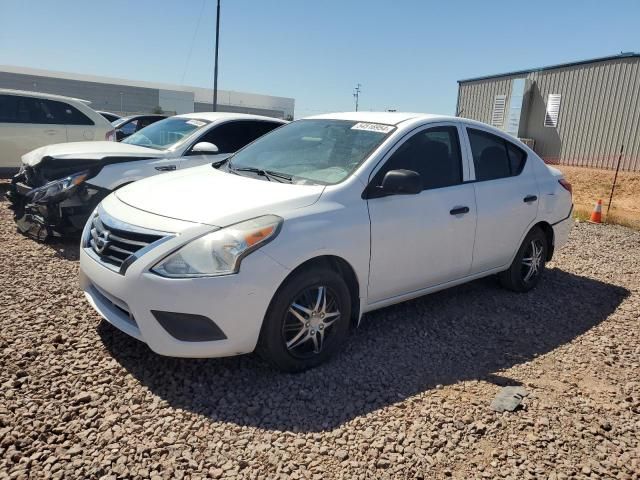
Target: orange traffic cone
596	215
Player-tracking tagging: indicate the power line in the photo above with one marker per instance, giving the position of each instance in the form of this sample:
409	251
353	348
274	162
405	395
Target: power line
193	40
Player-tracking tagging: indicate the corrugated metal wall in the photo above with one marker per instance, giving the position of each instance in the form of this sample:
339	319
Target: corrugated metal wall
599	112
475	99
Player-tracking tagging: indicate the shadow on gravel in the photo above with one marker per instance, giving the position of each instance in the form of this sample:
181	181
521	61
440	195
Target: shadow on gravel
467	332
66	248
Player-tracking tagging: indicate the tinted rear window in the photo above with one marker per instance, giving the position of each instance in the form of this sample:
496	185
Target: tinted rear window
494	157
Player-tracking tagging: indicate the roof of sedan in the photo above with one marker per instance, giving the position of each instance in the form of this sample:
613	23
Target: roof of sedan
388	118
215	116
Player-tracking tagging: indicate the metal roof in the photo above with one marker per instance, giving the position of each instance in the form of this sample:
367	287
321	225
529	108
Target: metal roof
621	55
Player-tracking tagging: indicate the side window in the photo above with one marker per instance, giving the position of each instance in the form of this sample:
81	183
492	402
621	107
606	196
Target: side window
494	157
129	128
232	136
68	114
433	153
517	158
16	109
146	121
257	129
32	110
8	109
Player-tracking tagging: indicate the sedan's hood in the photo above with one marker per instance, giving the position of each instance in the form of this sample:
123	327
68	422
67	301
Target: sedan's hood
89	151
206	195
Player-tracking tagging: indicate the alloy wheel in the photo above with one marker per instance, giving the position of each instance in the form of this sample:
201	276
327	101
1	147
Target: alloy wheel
309	319
532	260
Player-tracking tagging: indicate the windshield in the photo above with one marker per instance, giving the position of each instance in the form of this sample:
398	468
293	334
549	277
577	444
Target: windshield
116	123
313	151
165	133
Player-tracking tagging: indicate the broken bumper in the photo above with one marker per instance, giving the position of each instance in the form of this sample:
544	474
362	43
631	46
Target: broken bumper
43	216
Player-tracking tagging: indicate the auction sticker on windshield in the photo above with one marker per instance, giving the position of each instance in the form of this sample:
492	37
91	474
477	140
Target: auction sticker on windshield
196	123
372	127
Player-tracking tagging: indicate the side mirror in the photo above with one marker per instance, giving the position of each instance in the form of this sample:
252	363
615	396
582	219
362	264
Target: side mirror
401	182
205	148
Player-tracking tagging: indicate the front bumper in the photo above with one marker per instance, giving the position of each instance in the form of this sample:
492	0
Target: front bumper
236	303
62	216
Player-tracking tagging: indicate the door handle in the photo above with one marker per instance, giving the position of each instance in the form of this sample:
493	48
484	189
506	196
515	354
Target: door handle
530	198
166	168
459	211
50	132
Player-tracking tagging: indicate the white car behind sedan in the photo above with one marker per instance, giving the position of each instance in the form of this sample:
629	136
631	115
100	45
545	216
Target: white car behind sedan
59	185
29	120
292	240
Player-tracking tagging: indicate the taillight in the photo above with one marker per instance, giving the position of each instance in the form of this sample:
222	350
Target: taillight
566	185
110	136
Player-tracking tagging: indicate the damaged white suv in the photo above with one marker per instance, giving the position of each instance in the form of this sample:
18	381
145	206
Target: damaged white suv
59	185
287	244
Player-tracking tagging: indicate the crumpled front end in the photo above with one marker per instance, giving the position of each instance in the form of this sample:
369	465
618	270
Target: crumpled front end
52	199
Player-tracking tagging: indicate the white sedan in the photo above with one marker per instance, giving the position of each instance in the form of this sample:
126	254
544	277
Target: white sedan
285	246
60	185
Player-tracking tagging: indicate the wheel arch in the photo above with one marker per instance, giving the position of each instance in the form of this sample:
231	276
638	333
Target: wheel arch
547	229
340	266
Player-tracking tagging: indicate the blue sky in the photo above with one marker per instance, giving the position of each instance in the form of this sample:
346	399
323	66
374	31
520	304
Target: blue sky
407	54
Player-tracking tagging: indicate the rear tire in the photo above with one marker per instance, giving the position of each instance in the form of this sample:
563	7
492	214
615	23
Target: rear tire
529	263
307	320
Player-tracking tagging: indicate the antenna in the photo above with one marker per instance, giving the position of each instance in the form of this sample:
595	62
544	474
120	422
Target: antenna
356	94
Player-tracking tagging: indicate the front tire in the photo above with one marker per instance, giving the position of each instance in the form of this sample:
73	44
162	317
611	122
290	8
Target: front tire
307	321
529	263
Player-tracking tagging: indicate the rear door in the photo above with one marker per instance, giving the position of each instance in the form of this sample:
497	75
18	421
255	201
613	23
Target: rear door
26	123
80	128
506	195
419	241
229	137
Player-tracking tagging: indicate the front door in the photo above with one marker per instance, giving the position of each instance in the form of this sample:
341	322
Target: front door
426	239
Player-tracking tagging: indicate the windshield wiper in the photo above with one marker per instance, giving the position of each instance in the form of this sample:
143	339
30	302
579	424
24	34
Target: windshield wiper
268	174
220	163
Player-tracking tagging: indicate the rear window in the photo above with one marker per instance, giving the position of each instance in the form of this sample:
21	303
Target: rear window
494	157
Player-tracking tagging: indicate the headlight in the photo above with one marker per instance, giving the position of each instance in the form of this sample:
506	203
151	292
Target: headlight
219	252
56	188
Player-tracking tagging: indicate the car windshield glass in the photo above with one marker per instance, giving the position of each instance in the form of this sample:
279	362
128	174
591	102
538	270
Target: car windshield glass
165	133
313	151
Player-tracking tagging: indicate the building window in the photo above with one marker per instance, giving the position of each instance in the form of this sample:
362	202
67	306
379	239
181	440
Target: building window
553	109
497	116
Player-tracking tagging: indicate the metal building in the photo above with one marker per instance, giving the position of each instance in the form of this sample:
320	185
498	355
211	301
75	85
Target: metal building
579	113
129	96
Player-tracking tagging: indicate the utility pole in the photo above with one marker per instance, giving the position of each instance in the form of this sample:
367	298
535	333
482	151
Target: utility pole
215	67
615	179
356	95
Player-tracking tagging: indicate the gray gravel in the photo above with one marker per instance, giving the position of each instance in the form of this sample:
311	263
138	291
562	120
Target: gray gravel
409	398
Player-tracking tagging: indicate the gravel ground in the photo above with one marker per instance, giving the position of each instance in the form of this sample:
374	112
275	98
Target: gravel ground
409	398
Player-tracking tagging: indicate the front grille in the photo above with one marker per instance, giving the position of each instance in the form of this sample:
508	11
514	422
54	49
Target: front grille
114	245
